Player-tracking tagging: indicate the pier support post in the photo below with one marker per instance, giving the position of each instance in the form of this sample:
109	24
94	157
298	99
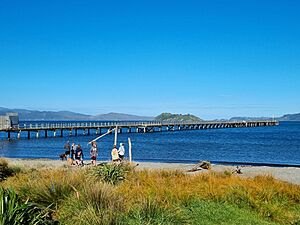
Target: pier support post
46	133
75	132
88	131
8	135
37	134
54	133
129	150
19	135
116	135
61	132
28	134
70	133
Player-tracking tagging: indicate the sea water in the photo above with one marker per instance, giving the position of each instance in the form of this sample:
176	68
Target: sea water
273	145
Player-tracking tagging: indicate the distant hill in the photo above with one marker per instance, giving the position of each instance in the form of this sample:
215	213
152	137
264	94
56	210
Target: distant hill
25	114
121	116
240	118
287	117
168	117
290	117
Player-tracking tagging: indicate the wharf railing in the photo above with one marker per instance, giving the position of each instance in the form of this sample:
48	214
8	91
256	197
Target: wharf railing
70	125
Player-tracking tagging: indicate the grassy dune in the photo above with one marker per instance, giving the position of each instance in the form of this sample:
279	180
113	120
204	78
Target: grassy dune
121	195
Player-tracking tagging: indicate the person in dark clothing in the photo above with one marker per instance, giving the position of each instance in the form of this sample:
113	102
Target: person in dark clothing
73	149
67	147
79	156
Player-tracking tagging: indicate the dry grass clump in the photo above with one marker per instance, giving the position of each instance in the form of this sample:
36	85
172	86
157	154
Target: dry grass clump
97	203
6	170
48	187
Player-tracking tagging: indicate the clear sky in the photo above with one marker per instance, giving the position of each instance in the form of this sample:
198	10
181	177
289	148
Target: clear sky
215	59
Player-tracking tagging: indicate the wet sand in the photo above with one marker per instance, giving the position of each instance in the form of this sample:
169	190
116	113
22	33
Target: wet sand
288	174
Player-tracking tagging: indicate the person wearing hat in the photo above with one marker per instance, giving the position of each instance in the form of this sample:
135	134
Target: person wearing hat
121	151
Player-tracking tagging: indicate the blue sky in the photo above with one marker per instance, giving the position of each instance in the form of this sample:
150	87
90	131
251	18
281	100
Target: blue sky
215	59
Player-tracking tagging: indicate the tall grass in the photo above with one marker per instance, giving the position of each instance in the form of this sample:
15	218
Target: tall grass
202	212
96	204
271	199
14	211
7	170
48	187
159	197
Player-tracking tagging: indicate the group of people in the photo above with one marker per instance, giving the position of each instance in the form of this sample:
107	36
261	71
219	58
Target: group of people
74	153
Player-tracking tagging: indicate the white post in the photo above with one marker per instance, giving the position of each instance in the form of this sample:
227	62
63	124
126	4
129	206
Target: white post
129	150
108	132
116	135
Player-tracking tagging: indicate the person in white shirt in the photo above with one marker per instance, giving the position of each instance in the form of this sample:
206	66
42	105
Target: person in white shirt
121	151
94	153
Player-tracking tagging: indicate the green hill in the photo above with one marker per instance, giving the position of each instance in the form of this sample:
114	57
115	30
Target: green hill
169	117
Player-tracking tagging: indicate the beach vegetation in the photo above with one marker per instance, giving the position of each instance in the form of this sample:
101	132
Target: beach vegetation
48	187
14	211
112	173
119	194
96	203
7	170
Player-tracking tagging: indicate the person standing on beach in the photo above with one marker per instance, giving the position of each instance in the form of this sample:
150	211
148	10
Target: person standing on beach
73	149
94	153
67	147
115	154
121	151
79	156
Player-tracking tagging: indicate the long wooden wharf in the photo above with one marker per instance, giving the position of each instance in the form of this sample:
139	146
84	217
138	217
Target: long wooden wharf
88	128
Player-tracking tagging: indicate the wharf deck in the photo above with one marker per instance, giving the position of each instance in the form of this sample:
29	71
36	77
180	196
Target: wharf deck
87	128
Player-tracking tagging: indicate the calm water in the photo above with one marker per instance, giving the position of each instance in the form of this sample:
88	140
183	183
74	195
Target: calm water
266	145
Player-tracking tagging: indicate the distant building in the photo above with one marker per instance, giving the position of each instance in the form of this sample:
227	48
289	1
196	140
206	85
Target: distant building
10	120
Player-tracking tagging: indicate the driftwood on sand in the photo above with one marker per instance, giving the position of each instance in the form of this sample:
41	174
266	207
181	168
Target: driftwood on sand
201	165
237	170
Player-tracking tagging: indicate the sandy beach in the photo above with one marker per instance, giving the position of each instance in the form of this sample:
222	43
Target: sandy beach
288	174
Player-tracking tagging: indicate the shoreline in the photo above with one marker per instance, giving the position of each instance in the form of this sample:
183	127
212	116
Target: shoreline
186	162
287	174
